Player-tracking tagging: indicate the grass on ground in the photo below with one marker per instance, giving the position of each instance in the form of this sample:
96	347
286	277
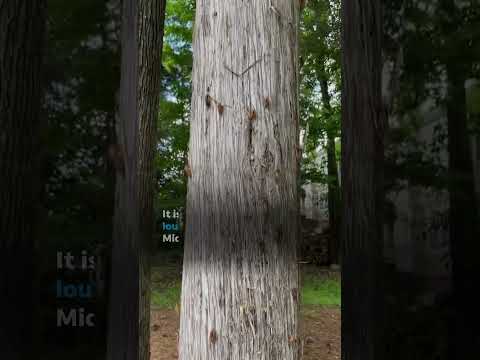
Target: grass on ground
320	287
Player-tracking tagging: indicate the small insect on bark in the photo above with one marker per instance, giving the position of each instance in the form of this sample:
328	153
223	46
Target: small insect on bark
252	115
208	100
187	170
212	337
268	102
292	339
221	108
295	295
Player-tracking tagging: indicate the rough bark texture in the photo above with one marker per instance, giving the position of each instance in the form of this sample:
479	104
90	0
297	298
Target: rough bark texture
129	323
362	180
150	31
240	276
22	29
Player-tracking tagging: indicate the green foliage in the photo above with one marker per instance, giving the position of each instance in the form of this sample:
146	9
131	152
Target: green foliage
320	62
166	298
80	107
173	122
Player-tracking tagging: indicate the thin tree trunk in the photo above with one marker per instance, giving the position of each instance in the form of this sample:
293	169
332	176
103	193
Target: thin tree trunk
151	27
129	321
362	180
22	40
333	183
240	275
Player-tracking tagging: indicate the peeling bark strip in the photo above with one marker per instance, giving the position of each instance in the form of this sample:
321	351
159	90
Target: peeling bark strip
240	261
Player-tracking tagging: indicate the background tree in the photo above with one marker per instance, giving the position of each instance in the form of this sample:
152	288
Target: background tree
363	126
142	37
22	41
240	278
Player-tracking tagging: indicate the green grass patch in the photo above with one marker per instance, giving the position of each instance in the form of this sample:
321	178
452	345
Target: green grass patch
318	289
166	298
321	291
166	286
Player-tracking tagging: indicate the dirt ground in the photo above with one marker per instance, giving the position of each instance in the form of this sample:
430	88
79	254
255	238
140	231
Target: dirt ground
321	329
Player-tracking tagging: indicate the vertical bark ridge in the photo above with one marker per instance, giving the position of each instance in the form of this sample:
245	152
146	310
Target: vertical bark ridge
150	42
362	180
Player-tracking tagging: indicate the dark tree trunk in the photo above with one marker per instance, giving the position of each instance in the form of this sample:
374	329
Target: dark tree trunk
123	322
129	317
464	236
151	27
333	183
363	126
22	39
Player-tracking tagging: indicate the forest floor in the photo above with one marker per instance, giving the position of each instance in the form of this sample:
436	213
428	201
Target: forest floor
321	333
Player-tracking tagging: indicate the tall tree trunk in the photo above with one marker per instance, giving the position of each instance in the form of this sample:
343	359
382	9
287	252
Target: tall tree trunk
240	274
362	180
129	316
123	318
150	32
464	244
22	39
333	183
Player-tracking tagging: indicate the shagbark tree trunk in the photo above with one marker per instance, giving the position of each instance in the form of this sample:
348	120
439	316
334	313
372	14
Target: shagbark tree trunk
129	315
22	40
240	288
363	125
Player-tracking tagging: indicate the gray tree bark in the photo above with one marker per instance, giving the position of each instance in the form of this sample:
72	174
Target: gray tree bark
129	315
22	41
240	288
363	127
